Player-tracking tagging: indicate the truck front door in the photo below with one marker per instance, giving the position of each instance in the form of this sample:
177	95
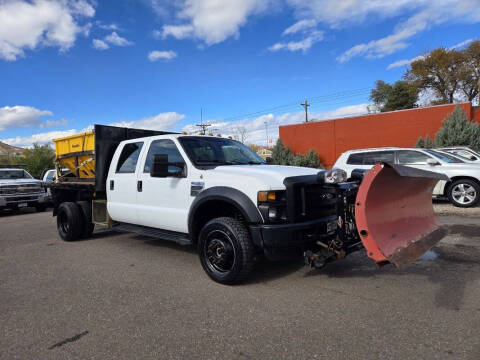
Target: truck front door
164	202
122	184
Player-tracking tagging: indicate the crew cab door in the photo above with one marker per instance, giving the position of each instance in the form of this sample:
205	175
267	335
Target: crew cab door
164	203
122	183
418	159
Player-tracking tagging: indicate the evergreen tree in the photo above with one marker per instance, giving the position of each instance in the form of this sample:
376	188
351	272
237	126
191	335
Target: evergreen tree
457	130
282	155
428	142
420	143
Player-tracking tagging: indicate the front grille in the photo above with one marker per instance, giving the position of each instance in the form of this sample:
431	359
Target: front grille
21	198
314	201
20	189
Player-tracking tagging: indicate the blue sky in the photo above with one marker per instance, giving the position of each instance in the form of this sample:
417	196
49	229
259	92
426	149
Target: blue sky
68	64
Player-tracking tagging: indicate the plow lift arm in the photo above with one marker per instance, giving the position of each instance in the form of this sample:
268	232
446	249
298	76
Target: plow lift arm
394	213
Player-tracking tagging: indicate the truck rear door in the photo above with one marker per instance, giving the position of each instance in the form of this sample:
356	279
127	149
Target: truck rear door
122	183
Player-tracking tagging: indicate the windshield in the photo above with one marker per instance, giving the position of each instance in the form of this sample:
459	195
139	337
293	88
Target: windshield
206	151
445	157
14	174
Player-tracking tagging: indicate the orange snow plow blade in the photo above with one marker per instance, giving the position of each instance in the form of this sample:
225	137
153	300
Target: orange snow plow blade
394	213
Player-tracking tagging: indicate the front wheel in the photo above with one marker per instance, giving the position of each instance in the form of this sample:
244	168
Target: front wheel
464	193
226	250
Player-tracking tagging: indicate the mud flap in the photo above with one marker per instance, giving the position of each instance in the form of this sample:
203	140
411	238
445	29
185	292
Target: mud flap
394	213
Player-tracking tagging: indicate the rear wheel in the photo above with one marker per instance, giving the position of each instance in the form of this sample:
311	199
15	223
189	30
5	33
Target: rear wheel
226	250
88	226
464	193
69	221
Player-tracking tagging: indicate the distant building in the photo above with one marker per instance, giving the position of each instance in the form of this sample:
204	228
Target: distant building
400	128
264	153
10	151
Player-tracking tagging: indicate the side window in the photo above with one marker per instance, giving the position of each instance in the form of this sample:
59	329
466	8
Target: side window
127	162
164	147
355	159
412	157
371	158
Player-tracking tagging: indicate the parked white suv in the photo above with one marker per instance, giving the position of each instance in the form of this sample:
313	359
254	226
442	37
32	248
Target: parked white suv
462	190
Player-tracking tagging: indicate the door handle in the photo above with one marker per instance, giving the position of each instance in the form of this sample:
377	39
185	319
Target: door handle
112	185
139	185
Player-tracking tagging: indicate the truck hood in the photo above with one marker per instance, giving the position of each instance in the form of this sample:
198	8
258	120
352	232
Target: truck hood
19	181
272	175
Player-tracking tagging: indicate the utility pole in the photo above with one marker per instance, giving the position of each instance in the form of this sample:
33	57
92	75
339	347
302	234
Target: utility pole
266	130
202	125
306	105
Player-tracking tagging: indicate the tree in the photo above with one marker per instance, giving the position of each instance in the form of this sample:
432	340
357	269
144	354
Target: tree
400	96
439	71
457	130
282	155
426	143
37	159
240	133
470	73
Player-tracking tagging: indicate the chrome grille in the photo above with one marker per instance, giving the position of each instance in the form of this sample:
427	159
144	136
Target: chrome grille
20	189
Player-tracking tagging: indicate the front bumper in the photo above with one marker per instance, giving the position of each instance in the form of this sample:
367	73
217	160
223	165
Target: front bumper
13	201
289	241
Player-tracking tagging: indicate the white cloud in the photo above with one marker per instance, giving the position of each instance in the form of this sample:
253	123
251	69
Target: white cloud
26	25
22	116
301	25
213	21
112	39
427	15
257	131
407	62
301	45
112	26
117	40
156	55
100	44
162	121
40	138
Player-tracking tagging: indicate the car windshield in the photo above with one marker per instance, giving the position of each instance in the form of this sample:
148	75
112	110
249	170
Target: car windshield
445	157
14	174
205	151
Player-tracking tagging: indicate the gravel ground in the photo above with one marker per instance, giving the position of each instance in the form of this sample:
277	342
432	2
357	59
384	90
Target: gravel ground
443	207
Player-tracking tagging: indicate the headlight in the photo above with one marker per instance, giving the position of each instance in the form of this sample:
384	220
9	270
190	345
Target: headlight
272	205
333	176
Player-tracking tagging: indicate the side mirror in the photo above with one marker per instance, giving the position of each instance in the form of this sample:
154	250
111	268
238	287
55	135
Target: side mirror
432	162
159	167
473	158
269	161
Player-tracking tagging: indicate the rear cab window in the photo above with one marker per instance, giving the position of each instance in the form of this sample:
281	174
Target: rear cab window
371	157
128	159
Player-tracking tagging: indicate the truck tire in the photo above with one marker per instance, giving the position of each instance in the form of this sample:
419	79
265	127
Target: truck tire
69	221
464	193
226	250
87	226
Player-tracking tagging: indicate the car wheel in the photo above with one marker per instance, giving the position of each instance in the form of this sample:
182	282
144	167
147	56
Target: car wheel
464	193
69	221
88	226
226	250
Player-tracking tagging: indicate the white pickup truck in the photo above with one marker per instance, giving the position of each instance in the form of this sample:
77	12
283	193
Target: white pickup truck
212	192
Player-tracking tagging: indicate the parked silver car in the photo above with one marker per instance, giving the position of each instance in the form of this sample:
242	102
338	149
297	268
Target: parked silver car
464	152
19	189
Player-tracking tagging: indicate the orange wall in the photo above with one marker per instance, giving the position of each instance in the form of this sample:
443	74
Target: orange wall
397	128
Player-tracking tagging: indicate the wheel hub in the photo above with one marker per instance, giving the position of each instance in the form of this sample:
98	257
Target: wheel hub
220	253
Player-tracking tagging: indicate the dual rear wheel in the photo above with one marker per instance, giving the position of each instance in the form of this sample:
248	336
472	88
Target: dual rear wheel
74	220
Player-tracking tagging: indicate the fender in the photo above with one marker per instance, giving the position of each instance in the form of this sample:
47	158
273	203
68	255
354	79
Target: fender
233	196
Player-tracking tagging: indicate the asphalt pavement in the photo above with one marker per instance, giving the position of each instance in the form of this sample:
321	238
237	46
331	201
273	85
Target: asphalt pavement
131	297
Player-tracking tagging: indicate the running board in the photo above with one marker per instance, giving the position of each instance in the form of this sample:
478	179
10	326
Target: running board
179	238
